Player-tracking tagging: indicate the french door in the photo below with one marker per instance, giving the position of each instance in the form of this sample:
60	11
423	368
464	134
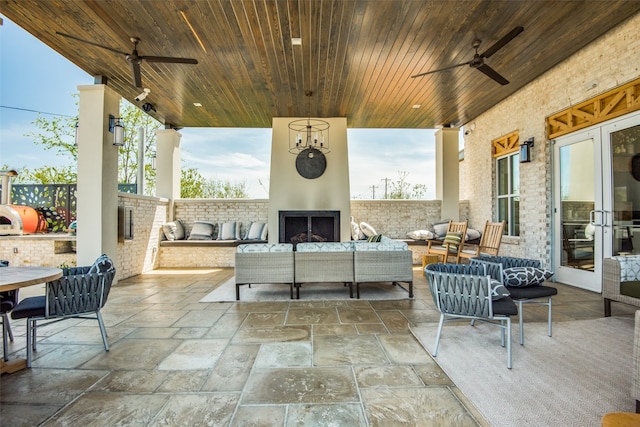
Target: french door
596	211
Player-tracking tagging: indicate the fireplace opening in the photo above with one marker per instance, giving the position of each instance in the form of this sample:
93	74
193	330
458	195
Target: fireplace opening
309	226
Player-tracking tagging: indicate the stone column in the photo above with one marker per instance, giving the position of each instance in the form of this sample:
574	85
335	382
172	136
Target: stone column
447	173
97	209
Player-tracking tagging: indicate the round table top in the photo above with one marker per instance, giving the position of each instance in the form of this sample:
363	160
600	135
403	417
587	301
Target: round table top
20	277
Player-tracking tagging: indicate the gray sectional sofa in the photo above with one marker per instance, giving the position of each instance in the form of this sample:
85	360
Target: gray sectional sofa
351	263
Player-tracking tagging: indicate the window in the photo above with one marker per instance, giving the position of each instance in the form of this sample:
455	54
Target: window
508	177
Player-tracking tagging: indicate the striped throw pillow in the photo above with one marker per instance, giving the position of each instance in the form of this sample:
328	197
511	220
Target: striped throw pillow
453	238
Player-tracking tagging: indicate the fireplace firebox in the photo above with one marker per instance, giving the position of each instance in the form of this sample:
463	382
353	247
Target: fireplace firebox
309	226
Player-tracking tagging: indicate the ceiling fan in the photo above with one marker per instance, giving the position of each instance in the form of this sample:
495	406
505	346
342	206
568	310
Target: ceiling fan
478	59
133	58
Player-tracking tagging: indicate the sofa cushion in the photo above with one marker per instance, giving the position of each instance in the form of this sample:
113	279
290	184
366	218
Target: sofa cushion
472	235
630	289
324	247
265	247
629	267
421	235
202	230
525	276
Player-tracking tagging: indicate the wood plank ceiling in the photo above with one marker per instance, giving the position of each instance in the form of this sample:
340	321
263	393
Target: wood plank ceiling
357	56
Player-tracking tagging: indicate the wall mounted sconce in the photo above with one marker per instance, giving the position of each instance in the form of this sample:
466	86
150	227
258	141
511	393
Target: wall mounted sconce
525	150
117	128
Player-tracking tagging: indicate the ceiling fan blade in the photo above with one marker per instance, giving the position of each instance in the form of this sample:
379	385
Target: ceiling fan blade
493	74
169	59
503	41
91	43
135	72
441	69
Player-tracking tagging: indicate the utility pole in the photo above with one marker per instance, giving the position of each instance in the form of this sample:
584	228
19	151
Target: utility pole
386	187
373	190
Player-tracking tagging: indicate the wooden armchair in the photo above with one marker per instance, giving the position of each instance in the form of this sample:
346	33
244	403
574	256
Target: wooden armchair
450	246
489	241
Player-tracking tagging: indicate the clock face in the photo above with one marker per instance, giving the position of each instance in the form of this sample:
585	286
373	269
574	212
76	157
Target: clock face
311	163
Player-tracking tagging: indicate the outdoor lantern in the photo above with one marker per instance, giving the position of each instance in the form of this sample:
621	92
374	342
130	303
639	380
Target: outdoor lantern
525	150
117	128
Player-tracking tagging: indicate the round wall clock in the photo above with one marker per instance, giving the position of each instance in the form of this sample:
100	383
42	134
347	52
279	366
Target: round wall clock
311	163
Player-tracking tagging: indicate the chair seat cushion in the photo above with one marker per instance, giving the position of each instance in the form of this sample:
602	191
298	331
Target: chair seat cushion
630	289
532	292
29	307
505	306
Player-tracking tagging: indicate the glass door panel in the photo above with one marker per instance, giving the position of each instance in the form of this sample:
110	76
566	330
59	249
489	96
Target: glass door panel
625	155
578	215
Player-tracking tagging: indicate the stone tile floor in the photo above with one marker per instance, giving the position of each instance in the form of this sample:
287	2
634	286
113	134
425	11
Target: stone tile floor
175	361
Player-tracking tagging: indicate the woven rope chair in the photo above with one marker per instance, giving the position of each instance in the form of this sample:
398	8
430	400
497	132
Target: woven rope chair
538	294
80	293
462	291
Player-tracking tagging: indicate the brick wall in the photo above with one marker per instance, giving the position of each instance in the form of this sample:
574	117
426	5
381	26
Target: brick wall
607	61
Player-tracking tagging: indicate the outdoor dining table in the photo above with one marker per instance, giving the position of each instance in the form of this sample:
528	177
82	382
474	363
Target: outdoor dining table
19	277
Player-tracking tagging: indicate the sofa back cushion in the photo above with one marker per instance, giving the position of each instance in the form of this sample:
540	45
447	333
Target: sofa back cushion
629	267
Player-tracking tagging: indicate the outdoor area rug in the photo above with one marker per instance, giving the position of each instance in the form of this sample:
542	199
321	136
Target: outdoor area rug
571	379
226	292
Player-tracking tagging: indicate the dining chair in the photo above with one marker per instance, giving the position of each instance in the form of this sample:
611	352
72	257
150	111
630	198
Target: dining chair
8	300
80	293
462	291
524	280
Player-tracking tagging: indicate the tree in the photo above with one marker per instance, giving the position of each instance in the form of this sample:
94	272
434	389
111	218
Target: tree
401	189
59	132
194	186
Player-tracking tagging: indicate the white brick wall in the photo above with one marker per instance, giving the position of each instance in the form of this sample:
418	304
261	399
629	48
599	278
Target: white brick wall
607	60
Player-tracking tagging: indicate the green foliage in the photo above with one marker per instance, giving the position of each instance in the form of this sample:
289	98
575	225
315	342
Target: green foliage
401	189
59	134
194	186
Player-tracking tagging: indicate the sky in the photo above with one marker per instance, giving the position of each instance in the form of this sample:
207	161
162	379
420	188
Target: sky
34	78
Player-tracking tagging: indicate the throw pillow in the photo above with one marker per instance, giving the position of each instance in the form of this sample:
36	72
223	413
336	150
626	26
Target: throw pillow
102	264
255	231
376	238
229	230
520	277
367	229
356	232
201	230
421	235
174	230
472	234
453	238
498	290
181	231
264	234
169	230
440	228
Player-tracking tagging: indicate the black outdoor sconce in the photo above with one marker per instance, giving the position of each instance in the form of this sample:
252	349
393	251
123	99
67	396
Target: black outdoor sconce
525	150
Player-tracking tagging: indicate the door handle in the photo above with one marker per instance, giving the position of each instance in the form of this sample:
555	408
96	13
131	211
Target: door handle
603	218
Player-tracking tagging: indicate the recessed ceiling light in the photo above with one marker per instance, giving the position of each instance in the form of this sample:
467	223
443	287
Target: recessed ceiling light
197	104
416	106
296	41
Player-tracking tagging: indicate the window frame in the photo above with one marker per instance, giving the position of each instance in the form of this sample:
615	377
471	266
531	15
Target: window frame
512	194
